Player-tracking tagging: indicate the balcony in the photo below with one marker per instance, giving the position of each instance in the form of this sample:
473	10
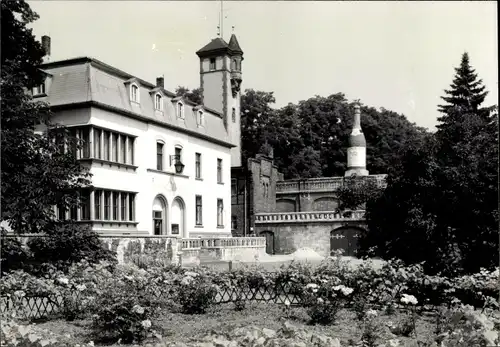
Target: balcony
308	217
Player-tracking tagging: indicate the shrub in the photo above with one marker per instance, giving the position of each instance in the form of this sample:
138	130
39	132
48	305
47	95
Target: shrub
125	307
195	293
68	244
14	256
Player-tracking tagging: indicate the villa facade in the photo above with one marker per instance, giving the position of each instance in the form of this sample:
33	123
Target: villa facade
160	164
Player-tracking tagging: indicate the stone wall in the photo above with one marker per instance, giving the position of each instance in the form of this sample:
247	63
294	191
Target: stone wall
128	249
289	237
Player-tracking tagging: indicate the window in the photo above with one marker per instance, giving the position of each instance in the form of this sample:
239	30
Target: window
73	212
212	64
106	145
233	188
114	148
97	204
86	142
107	205
97	143
219	170
61	213
199	211
233	64
130	151
178	154
157	222
123	149
73	142
131	207
234	222
115	205
197	165
159	156
158	102
85	205
39	90
123	212
220	213
234	115
201	118
180	110
134	93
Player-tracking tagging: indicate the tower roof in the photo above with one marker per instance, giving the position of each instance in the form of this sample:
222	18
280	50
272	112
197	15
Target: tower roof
217	45
234	45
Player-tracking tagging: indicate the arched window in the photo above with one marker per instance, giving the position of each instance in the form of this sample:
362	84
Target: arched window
159	216
158	102
180	110
233	64
134	93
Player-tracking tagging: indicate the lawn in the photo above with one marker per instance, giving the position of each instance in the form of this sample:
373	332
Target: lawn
182	328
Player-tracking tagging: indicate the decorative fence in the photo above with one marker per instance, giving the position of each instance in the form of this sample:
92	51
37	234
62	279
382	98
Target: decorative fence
322	184
36	307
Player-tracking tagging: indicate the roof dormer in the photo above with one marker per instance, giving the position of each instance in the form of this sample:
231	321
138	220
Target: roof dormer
158	98
179	106
133	88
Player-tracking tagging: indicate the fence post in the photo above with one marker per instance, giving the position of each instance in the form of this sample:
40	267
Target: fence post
230	265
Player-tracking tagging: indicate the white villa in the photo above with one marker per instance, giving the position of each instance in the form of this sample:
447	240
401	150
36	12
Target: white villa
161	165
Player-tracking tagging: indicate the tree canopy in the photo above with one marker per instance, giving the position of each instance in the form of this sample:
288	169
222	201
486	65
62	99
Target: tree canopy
310	138
35	174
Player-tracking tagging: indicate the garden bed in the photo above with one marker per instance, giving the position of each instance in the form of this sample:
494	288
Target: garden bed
185	328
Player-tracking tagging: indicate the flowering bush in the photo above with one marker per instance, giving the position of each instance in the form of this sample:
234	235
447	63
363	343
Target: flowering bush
325	299
195	293
125	307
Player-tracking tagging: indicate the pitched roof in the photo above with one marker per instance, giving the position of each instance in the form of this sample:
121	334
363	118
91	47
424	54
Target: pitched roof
234	45
214	45
87	80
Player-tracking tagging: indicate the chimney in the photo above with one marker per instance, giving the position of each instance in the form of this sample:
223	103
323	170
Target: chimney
160	82
46	45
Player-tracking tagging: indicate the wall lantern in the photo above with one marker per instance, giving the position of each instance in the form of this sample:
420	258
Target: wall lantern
179	166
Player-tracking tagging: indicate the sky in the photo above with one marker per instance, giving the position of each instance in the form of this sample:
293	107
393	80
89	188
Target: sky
396	55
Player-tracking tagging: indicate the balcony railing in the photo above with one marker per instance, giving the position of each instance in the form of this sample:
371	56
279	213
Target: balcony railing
308	217
226	242
323	184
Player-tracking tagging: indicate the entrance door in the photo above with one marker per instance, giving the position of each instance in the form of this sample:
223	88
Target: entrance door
346	239
269	235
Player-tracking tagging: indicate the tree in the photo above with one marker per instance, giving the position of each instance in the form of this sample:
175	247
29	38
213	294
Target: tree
467	91
356	191
441	202
194	95
35	174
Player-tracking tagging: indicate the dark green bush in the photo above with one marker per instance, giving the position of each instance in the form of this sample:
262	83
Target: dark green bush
68	244
13	255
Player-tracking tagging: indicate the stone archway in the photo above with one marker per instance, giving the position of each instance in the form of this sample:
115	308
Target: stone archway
269	235
160	219
345	238
178	218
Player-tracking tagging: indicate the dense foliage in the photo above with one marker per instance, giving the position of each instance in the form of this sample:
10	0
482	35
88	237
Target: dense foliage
441	201
310	138
35	175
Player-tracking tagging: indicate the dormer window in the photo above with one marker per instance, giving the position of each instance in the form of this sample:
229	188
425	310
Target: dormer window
180	110
212	64
134	93
39	90
158	102
200	118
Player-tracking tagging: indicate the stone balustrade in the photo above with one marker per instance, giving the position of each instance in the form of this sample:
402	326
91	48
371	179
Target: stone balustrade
308	217
227	242
322	184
